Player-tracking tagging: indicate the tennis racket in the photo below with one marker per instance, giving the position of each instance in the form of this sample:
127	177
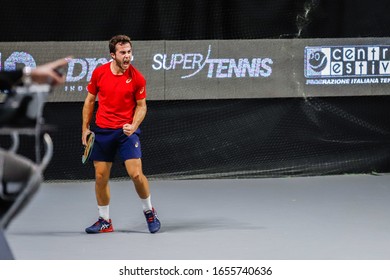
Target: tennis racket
88	148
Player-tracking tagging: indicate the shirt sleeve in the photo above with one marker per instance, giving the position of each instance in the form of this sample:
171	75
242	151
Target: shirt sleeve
92	85
141	93
141	89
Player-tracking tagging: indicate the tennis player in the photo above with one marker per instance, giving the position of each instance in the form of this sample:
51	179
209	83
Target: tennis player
121	90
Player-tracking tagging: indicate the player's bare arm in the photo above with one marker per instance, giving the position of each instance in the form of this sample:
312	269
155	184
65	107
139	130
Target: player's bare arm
139	115
88	108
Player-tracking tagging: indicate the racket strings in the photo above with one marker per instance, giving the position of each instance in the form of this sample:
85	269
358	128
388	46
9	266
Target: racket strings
88	148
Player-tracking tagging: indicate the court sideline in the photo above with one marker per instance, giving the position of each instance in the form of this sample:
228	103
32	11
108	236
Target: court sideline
305	218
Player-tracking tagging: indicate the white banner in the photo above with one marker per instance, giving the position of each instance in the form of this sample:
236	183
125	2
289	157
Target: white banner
224	69
195	269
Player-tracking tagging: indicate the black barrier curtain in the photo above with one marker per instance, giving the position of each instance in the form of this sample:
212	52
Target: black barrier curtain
192	20
147	20
220	138
242	138
348	18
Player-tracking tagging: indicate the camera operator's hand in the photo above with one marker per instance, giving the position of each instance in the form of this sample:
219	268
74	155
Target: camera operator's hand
49	72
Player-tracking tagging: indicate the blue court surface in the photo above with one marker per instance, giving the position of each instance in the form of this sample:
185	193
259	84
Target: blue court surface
302	218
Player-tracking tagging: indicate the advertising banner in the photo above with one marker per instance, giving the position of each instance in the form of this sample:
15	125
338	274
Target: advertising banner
224	69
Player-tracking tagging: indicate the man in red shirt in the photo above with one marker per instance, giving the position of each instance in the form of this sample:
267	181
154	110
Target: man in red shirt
122	108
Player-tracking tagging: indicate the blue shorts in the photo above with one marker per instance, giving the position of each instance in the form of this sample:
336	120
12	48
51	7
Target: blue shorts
108	142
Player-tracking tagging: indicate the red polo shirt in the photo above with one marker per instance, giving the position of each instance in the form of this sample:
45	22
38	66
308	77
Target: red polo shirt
117	95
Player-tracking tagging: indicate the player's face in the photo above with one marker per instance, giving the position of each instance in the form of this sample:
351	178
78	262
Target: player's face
122	56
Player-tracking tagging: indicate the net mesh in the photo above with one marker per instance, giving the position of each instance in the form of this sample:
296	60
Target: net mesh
149	20
193	20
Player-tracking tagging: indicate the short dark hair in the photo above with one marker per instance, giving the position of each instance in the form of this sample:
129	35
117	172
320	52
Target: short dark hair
118	39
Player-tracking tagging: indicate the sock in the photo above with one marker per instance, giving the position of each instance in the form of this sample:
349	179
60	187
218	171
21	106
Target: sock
104	212
146	204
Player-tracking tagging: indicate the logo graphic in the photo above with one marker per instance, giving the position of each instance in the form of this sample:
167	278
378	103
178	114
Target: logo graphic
191	64
318	61
350	64
104	226
128	80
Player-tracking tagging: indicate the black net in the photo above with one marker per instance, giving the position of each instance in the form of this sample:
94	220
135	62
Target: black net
241	138
191	20
219	138
148	20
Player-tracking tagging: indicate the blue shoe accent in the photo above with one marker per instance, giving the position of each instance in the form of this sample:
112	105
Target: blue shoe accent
100	226
152	220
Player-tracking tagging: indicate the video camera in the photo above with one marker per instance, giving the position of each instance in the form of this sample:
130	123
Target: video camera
21	113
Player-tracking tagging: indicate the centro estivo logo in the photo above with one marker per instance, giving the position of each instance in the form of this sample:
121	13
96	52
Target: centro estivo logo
355	64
